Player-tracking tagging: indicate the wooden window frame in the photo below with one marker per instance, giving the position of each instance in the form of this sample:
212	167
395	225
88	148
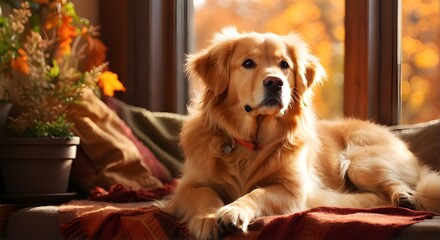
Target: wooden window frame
373	60
148	41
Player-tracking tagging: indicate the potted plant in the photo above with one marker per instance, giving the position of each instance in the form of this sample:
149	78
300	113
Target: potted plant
48	57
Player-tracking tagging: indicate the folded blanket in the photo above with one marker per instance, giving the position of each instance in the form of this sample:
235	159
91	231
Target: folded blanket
121	194
100	220
341	223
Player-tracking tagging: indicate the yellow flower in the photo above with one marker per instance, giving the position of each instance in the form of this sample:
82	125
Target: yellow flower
20	63
109	83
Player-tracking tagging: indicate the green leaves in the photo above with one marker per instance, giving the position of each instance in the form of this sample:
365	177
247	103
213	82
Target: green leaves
54	71
69	7
57	128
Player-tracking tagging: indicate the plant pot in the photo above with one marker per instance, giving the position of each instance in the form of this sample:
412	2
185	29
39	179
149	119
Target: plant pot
36	166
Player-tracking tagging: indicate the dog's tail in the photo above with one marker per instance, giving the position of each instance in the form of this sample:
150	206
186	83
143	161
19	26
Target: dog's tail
427	194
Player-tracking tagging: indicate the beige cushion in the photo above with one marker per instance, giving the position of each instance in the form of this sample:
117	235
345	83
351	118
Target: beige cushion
423	139
114	157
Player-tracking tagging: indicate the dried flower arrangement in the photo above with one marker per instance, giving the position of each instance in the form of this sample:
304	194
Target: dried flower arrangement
48	57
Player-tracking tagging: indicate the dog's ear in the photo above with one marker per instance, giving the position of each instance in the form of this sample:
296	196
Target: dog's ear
211	65
314	71
308	71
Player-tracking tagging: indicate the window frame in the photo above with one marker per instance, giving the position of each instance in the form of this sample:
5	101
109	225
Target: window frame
373	60
147	44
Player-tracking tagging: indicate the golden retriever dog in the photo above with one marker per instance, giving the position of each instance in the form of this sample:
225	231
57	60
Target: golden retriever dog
254	148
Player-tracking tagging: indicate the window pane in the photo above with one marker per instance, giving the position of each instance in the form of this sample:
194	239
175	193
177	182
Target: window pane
320	22
420	63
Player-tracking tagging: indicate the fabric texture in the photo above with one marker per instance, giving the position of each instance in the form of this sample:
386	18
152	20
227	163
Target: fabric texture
423	140
109	154
121	194
99	220
342	223
148	159
159	131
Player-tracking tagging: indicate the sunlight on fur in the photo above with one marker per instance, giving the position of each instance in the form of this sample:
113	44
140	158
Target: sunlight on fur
254	148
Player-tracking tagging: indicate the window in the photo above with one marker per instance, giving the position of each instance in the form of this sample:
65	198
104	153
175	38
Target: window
368	62
420	60
373	60
320	23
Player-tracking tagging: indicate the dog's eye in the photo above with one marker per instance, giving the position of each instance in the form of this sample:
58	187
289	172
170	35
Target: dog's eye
284	64
249	63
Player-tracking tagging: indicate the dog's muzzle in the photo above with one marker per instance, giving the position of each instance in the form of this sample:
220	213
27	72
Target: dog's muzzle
273	91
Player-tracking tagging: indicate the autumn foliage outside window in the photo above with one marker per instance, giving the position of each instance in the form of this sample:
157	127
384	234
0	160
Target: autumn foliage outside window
321	23
420	63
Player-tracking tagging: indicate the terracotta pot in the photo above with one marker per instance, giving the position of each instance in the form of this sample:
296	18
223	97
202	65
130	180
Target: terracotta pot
36	165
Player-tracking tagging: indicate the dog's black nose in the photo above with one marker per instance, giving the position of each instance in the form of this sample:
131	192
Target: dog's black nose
273	84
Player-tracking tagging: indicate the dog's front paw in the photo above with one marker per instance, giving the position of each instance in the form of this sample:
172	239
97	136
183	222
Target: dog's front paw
404	199
233	218
203	227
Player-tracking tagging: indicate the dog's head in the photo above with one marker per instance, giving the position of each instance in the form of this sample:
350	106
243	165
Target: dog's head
258	74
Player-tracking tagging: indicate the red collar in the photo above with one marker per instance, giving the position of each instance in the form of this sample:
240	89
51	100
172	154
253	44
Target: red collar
249	145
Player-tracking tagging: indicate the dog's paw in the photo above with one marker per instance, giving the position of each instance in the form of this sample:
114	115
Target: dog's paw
203	227
404	199
233	218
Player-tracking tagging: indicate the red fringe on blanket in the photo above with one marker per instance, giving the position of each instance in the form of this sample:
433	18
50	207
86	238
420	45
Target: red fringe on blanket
85	219
119	193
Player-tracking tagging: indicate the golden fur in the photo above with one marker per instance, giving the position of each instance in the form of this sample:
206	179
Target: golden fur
259	89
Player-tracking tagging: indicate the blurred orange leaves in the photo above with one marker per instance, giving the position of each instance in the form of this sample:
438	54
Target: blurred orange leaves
420	60
96	50
76	44
66	33
109	83
20	63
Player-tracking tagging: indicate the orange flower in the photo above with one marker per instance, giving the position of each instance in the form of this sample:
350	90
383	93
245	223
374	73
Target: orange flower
66	32
20	63
109	83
